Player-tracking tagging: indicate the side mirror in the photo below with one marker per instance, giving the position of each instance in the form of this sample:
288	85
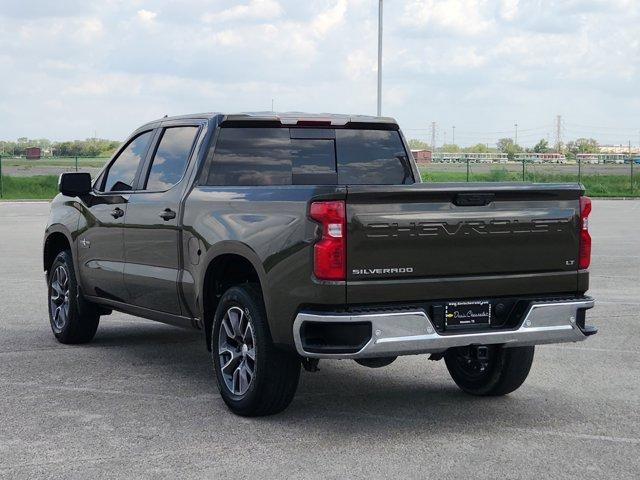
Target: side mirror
74	184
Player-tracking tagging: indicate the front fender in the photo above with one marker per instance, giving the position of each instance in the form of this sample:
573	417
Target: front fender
63	220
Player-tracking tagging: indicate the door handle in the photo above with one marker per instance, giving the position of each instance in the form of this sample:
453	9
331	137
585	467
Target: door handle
167	214
117	212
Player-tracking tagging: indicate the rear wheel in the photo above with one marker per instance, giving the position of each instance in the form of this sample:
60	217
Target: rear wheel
72	319
254	378
497	371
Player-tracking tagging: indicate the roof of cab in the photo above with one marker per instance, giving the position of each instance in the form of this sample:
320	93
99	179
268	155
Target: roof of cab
285	118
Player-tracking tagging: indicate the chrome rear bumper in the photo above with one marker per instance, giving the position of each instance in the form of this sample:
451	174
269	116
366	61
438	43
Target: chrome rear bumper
412	332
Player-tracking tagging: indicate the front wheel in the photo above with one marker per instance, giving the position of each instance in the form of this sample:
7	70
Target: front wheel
72	319
254	378
497	371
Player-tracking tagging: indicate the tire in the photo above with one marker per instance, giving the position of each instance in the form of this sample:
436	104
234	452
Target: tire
503	372
72	319
258	379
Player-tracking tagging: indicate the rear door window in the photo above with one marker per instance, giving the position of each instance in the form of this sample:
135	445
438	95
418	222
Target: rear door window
372	157
171	157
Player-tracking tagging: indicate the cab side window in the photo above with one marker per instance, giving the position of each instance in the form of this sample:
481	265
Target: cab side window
122	172
171	158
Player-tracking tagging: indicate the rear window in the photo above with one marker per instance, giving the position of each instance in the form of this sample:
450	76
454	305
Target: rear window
372	157
282	156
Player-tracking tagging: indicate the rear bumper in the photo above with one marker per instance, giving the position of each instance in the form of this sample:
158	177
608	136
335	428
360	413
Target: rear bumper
412	332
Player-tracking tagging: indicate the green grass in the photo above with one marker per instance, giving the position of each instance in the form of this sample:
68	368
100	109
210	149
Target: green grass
46	186
596	185
36	187
55	162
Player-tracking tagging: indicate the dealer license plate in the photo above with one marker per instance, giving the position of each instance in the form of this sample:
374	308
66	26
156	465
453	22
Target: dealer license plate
467	313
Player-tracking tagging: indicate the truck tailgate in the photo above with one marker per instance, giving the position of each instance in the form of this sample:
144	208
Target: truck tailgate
426	241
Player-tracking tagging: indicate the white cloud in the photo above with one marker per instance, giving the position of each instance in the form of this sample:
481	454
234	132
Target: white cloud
360	64
462	17
114	64
91	29
255	9
146	16
326	21
509	9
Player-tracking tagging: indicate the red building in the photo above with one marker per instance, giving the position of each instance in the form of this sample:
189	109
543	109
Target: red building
33	153
422	156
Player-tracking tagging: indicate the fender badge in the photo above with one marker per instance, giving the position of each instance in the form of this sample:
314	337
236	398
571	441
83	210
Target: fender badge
84	243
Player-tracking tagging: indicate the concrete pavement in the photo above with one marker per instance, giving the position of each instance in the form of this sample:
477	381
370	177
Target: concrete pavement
141	401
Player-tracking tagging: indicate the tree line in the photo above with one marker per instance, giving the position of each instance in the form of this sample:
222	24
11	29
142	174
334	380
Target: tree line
508	146
90	147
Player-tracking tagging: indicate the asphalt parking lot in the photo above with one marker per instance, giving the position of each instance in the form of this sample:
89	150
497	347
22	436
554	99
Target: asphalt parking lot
140	401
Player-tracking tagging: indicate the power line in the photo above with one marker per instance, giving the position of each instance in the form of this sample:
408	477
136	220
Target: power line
543	127
593	127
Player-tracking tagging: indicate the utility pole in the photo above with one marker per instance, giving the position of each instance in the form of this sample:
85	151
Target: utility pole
379	57
516	139
631	161
453	135
558	132
433	136
272	105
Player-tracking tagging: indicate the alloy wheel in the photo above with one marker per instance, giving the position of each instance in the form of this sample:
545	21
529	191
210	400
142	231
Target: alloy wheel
237	350
59	297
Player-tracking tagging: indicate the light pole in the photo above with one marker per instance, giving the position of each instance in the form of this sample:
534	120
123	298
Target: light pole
453	135
516	141
379	57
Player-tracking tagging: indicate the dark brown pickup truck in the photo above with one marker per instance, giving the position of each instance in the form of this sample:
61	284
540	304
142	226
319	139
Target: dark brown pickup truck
292	238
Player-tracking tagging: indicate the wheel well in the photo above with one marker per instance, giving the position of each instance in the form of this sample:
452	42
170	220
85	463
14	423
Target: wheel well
55	243
224	272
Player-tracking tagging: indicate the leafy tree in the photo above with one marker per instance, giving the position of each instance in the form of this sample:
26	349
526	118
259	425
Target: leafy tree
91	147
450	147
583	145
508	146
415	144
478	148
541	147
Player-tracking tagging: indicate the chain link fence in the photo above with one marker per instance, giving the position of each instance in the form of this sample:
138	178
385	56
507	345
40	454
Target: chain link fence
26	178
615	179
19	174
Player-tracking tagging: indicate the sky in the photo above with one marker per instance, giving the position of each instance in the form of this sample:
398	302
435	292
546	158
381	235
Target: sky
78	68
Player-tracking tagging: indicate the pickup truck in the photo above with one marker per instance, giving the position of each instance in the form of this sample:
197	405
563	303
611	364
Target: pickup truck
290	238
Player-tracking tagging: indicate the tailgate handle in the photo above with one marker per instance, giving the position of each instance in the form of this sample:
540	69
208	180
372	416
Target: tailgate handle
473	199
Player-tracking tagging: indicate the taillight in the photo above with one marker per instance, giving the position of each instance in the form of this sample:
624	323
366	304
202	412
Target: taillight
329	253
585	239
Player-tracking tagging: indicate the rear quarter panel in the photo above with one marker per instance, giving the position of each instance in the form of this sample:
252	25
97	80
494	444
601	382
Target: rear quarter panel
270	227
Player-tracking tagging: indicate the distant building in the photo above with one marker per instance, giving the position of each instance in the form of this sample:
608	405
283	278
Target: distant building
617	149
540	157
422	156
33	153
603	157
452	157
